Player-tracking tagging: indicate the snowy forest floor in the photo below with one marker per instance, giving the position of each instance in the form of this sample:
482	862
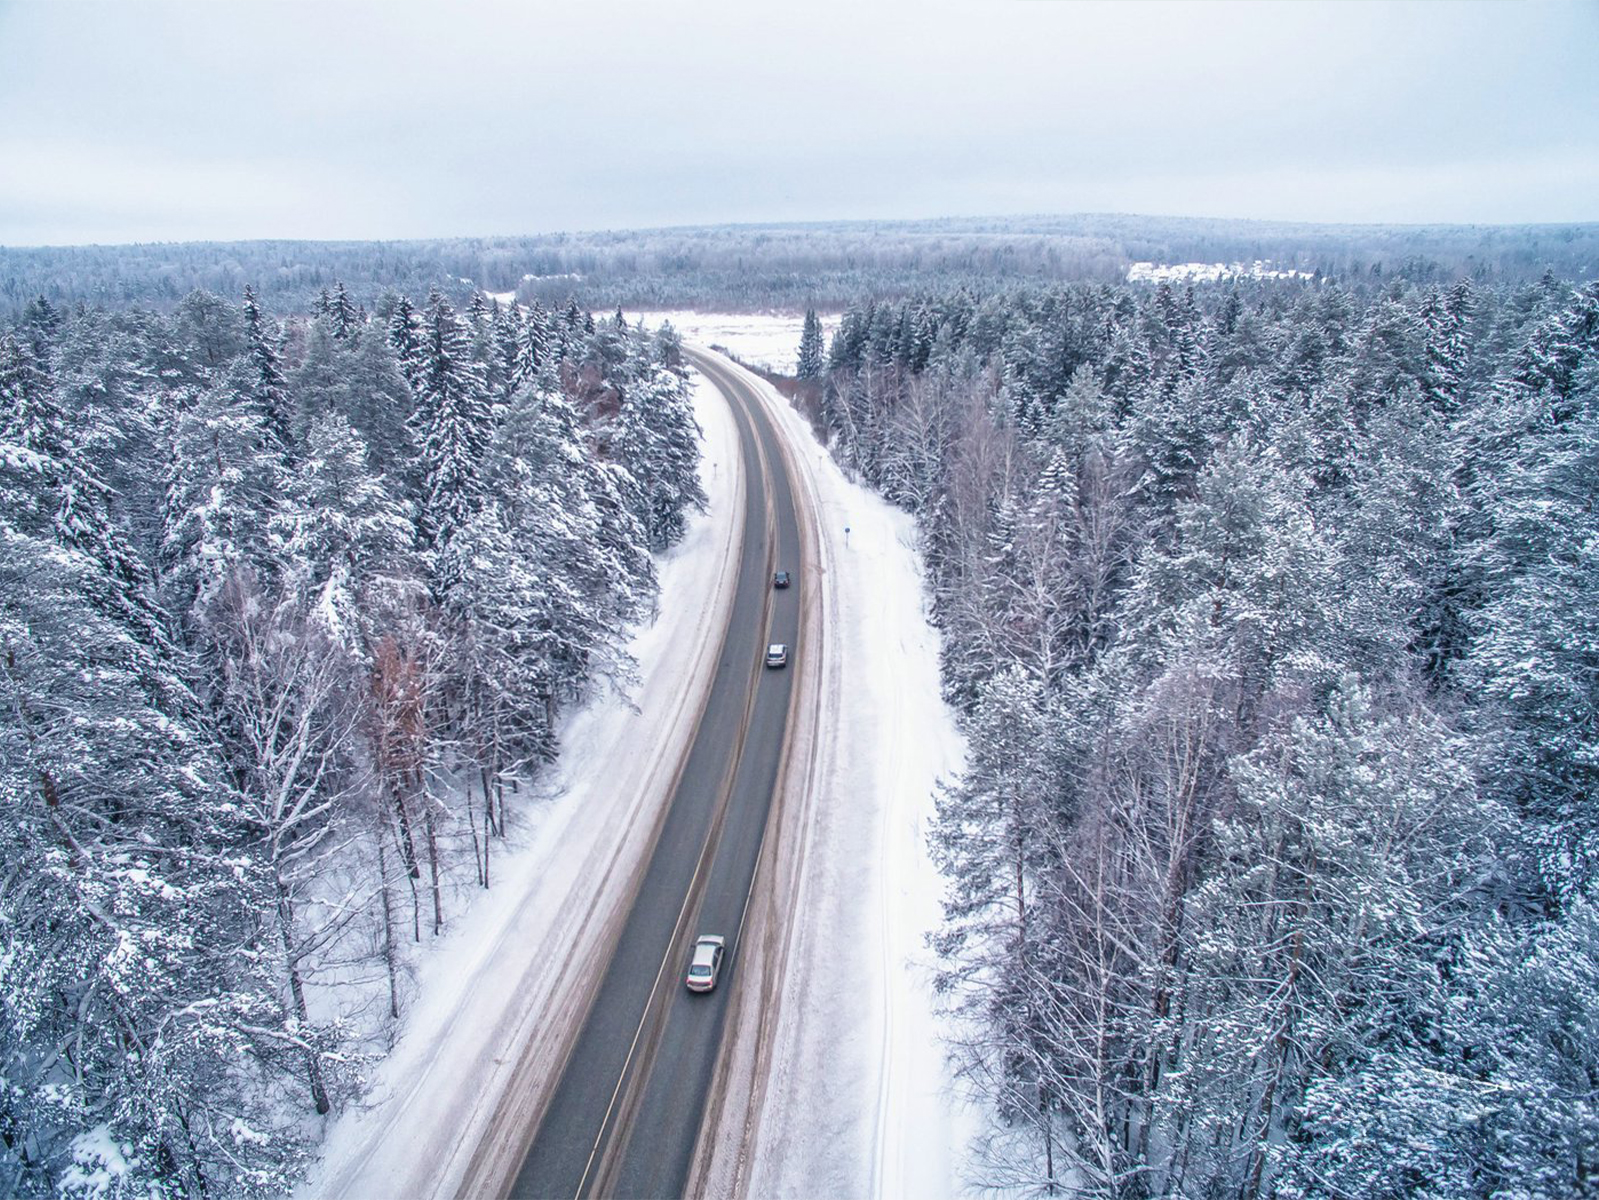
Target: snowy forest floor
858	1098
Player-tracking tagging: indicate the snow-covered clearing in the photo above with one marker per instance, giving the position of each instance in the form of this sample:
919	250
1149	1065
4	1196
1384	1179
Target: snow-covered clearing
502	972
768	340
858	1098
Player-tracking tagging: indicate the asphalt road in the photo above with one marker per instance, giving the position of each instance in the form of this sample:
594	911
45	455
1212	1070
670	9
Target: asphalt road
625	1116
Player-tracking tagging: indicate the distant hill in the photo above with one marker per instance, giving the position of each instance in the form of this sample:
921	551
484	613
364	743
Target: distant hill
785	266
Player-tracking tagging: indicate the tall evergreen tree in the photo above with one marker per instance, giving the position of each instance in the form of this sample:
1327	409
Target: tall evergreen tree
811	354
453	427
405	337
269	390
343	319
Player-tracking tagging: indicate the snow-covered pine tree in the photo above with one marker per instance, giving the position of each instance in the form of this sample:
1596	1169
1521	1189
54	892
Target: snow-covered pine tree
453	429
657	439
268	388
405	338
1532	663
812	354
344	320
210	329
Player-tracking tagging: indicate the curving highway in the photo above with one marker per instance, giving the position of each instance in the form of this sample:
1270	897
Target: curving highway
625	1116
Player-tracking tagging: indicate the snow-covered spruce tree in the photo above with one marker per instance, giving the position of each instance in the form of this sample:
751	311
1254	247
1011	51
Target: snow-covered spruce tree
30	413
573	529
105	376
380	408
656	438
536	344
78	501
812	354
642	413
344	320
340	528
503	669
267	387
453	425
40	325
405	339
1445	319
320	382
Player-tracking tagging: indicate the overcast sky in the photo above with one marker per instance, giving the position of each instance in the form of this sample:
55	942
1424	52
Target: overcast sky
139	121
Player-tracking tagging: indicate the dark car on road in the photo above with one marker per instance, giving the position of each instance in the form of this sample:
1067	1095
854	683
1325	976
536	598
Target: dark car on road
780	580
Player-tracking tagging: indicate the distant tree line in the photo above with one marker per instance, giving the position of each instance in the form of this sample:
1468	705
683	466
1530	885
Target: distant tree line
288	612
786	266
1271	614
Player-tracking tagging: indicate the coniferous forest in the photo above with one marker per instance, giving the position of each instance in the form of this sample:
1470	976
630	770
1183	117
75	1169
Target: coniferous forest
1271	611
288	611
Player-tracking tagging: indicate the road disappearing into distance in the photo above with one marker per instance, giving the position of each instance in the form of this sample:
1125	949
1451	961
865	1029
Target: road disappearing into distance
626	1114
